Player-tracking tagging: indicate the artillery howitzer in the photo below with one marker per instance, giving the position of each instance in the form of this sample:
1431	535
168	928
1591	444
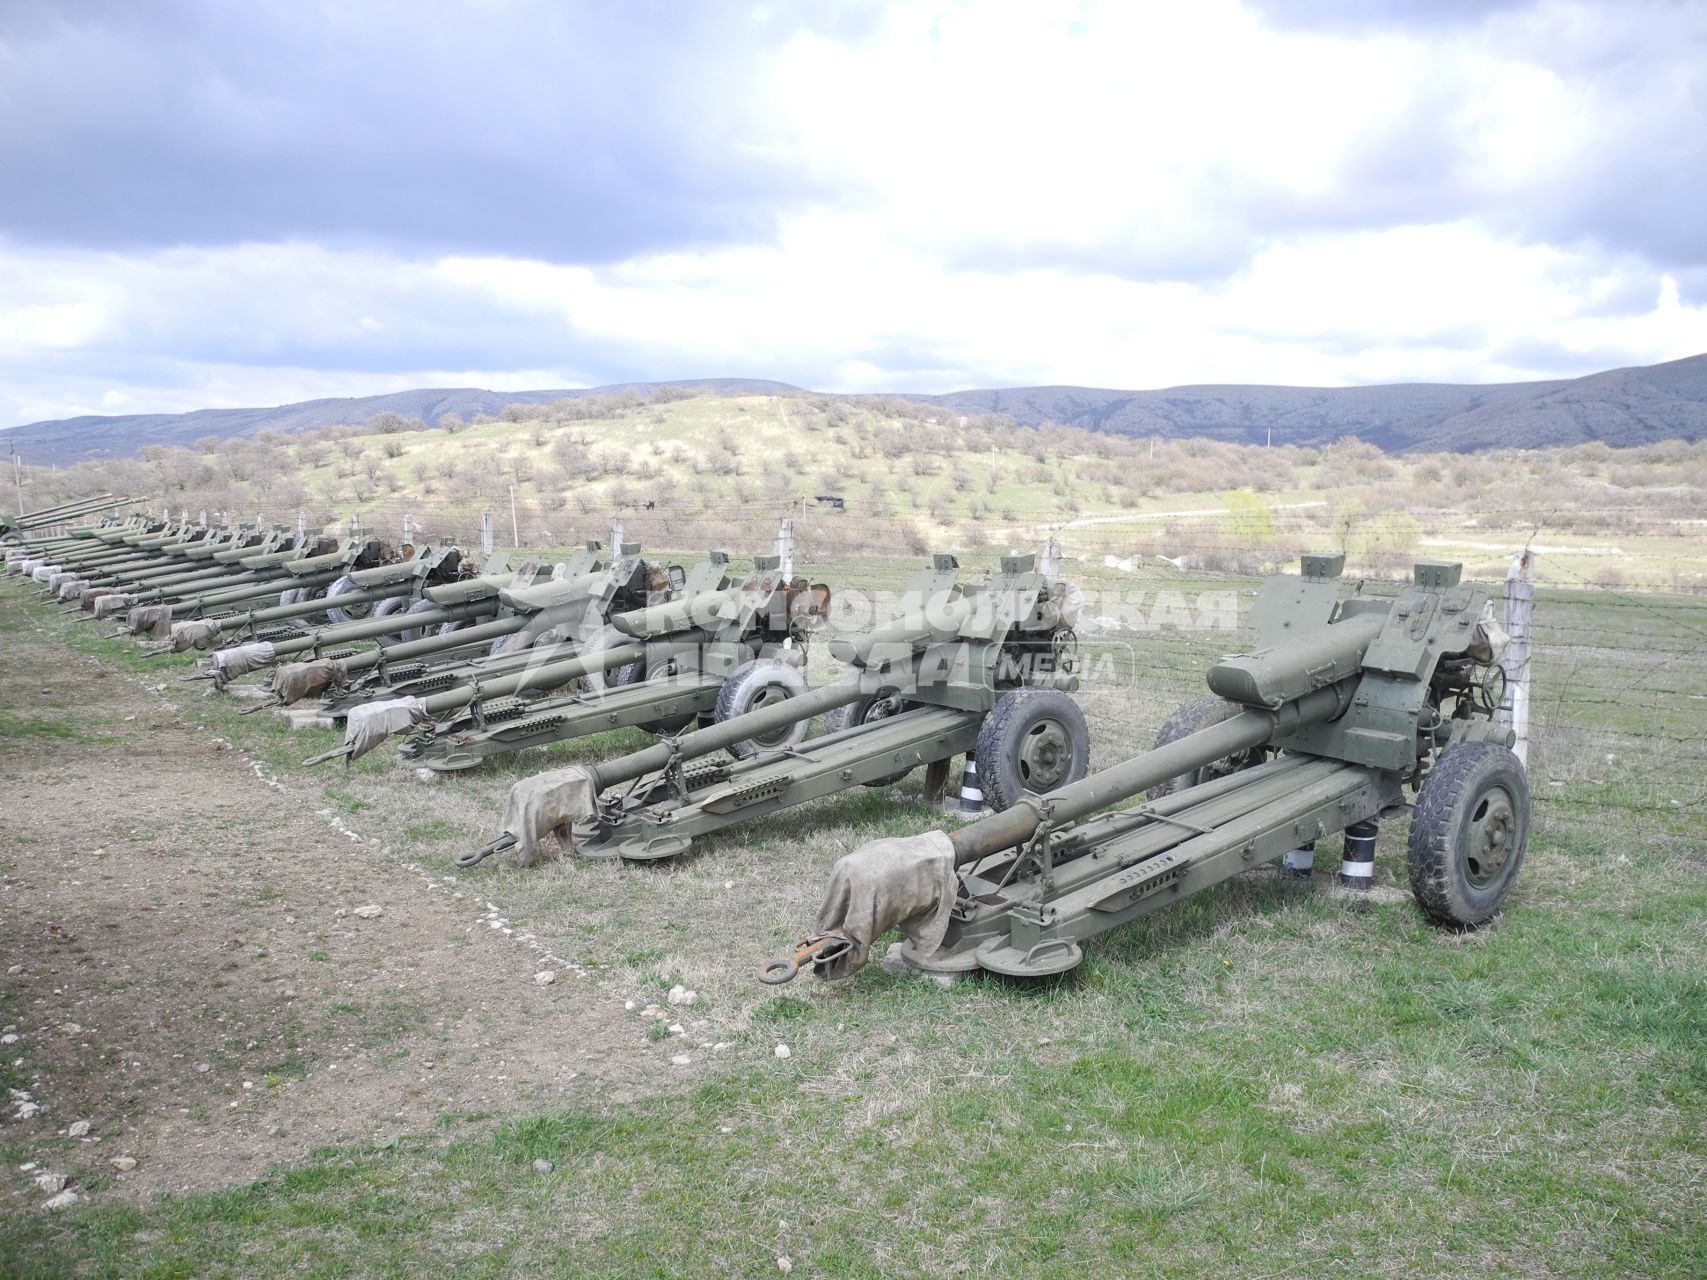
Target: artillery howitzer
81	544
1317	731
18	528
447	619
190	557
390	618
447	622
984	670
192	562
431	568
528	620
668	663
184	557
297	578
38	557
292	577
252	580
386	585
77	562
532	621
581	608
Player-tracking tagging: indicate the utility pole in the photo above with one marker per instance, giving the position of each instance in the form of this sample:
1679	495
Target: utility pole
515	530
18	476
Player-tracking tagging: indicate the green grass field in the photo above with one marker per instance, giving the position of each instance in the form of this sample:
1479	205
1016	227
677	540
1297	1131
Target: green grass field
1267	1080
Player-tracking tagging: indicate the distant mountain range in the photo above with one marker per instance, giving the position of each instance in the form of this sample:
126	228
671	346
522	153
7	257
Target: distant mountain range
1620	407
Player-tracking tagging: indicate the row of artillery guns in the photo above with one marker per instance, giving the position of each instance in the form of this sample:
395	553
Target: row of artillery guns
195	586
40	525
1353	708
384	640
463	668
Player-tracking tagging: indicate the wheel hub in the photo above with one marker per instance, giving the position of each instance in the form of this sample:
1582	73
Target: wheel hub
1490	837
1044	756
766	698
881	709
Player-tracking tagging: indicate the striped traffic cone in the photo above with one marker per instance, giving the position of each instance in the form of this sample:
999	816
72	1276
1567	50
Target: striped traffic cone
971	801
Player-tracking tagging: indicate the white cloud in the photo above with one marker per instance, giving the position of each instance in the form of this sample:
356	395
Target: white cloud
293	322
1107	194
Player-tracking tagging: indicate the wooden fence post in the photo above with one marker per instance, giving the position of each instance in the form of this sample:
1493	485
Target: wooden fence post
1519	604
1050	565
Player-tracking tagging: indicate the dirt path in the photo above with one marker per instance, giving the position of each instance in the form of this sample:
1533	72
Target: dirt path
186	969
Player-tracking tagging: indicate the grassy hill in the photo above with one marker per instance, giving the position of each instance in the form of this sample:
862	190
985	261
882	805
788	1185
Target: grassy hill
1622	407
68	440
686	471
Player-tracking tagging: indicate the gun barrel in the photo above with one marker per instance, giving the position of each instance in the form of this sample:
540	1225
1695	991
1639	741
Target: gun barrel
69	511
188	606
369	628
79	507
286	612
1327	663
547	675
716	737
676	615
939	618
59	508
1250	728
436	644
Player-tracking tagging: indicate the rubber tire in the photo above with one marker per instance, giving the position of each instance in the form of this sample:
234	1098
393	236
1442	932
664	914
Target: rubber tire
384	609
857	713
635	673
1199	713
1017	714
343	586
313	619
1451	795
289	597
415	633
741	693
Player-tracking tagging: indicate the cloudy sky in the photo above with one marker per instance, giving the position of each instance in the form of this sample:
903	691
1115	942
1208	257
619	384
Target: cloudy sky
206	203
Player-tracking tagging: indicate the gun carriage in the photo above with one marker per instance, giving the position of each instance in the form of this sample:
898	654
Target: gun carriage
982	670
1318	731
